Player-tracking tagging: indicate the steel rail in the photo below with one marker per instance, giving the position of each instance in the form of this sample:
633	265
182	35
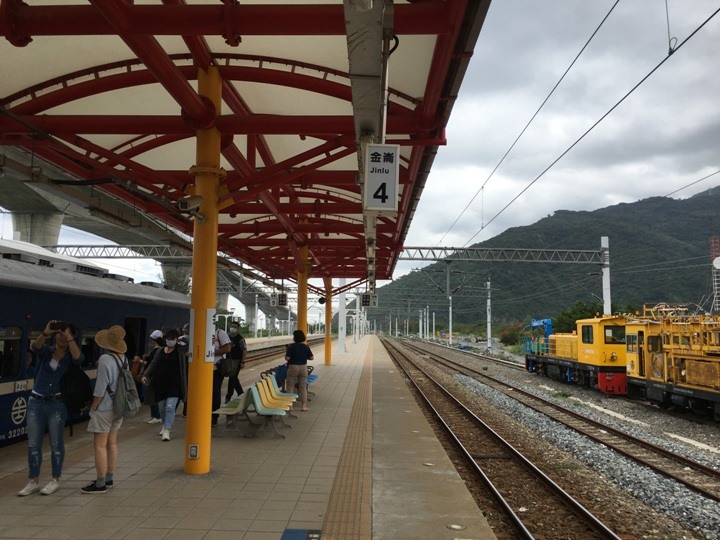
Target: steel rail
712	474
577	508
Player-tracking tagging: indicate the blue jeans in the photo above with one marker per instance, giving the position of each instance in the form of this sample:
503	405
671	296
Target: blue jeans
167	411
42	415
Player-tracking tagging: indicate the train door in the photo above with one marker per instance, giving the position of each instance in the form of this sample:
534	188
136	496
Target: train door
654	362
90	349
13	385
10	353
641	353
136	330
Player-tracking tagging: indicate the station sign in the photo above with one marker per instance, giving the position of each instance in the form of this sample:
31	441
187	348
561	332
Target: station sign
282	299
273	300
382	177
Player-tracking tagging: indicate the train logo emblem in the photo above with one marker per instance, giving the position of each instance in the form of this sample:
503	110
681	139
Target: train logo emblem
19	408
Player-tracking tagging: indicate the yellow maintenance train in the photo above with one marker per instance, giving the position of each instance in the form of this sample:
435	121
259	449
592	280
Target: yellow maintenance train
668	355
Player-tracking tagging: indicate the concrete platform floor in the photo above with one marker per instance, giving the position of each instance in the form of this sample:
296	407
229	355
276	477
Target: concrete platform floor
362	463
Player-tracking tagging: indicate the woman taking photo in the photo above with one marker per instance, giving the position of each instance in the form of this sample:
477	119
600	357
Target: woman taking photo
166	376
46	410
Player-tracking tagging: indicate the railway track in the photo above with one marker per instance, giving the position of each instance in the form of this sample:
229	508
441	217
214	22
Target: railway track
277	351
534	505
693	475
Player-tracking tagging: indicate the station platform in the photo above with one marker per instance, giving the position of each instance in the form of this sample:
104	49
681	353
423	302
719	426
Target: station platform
361	463
254	344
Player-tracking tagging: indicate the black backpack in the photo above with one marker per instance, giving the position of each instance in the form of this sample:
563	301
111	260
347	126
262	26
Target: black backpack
76	389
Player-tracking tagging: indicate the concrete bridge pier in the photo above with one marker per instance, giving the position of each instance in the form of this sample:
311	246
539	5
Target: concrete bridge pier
251	314
177	276
41	229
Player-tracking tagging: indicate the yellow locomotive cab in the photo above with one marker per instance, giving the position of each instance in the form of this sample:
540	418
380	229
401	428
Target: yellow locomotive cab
592	356
602	352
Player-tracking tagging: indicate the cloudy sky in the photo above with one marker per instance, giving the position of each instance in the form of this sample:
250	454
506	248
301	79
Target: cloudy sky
662	139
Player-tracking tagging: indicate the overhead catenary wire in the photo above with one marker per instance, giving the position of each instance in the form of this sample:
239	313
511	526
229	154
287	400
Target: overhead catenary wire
693	183
532	118
592	127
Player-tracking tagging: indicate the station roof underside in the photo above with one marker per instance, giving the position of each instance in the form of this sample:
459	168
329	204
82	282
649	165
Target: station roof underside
100	107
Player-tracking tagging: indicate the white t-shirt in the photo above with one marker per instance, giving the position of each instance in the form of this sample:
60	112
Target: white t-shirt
219	340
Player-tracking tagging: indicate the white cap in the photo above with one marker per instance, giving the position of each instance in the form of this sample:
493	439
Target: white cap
156	334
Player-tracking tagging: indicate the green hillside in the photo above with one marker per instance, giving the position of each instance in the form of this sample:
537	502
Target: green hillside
659	252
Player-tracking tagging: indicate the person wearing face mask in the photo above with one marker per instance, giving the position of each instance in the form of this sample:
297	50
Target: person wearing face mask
238	351
167	376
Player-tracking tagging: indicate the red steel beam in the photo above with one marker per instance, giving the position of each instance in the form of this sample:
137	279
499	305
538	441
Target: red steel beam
199	112
23	22
133	70
228	124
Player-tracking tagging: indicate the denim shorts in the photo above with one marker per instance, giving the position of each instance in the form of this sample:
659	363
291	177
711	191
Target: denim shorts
103	421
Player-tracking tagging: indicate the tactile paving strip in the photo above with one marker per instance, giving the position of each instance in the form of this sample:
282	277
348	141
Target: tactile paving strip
349	510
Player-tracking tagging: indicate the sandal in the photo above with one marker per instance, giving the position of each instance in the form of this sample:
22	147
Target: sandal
304	408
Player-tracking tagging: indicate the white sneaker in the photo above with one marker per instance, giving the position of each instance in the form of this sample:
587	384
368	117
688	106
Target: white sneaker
51	487
152	420
166	435
32	487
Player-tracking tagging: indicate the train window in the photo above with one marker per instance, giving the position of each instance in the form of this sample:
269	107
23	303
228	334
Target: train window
654	344
632	343
10	352
587	333
614	335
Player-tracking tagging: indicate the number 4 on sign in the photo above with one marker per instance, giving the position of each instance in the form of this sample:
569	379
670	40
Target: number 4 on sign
381	193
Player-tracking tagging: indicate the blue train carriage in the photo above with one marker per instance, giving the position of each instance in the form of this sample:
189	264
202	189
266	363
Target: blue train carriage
593	356
34	290
674	359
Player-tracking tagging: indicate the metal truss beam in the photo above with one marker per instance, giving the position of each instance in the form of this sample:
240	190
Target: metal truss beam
566	256
399	295
161	253
122	252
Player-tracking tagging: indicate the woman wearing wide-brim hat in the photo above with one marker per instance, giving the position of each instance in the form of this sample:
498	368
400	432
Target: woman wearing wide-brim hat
103	424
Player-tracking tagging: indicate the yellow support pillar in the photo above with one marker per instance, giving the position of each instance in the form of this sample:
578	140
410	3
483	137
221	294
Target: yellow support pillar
302	279
207	173
328	320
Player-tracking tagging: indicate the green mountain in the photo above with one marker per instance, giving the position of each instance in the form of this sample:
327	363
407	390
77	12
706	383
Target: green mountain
659	252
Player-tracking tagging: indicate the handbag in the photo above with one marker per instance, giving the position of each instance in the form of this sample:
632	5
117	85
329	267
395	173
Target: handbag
228	367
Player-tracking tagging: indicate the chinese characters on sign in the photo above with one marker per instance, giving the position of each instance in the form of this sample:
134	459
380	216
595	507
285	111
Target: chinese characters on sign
381	177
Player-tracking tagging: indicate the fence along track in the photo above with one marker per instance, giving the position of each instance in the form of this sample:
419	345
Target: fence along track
541	507
695	476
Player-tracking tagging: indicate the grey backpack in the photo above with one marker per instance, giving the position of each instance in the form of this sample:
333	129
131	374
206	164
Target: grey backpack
126	401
